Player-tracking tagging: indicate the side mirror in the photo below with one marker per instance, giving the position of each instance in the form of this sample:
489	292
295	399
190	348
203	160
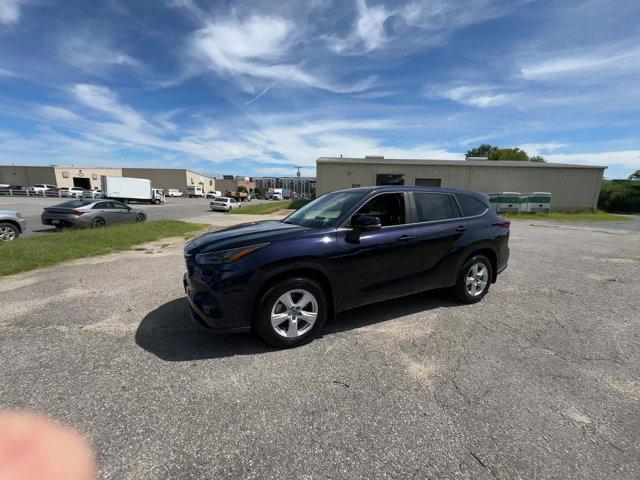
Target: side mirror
366	223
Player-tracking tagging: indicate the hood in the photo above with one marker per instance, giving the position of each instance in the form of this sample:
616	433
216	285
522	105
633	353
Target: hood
245	234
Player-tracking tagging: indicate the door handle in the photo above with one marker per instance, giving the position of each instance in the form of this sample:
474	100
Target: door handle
461	228
405	238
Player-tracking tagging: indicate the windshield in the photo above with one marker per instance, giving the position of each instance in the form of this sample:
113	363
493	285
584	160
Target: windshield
221	199
326	210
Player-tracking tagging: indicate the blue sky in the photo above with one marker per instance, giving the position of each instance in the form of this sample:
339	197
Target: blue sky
255	87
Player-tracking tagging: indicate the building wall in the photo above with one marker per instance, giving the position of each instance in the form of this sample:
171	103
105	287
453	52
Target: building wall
232	185
177	178
27	176
64	176
572	189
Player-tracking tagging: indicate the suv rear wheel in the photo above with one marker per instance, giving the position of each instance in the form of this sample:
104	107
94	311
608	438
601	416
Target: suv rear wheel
292	312
474	280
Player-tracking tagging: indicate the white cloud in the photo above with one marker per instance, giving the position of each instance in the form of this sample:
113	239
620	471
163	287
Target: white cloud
604	63
58	113
258	49
104	100
6	73
483	96
414	26
93	53
10	11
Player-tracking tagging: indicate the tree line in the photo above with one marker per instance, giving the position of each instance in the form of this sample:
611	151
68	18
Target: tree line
493	152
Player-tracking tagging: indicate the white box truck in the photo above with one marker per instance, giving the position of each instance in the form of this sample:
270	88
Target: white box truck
128	190
195	191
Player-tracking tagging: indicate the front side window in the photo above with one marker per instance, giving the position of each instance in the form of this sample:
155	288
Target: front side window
470	206
433	206
325	211
120	206
389	208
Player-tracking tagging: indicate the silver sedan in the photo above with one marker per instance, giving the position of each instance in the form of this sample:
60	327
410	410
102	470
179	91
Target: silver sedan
90	213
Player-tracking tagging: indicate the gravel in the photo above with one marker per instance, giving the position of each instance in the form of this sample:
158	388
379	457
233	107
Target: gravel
539	380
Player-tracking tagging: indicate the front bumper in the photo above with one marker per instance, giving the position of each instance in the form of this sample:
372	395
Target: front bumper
219	309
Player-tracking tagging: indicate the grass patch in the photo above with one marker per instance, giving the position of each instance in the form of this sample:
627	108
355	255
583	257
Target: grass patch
271	207
35	252
570	217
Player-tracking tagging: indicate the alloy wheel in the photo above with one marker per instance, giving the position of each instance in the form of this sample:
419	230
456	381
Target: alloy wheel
98	222
294	313
7	234
477	279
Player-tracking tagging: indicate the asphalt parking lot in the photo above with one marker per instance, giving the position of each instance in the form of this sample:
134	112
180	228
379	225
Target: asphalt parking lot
540	380
174	209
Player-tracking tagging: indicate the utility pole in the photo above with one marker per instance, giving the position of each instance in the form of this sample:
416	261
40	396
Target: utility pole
299	168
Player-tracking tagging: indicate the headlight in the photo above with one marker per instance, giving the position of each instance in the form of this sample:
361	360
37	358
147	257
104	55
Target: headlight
228	256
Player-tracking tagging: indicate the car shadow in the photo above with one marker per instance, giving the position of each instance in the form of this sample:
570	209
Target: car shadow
169	332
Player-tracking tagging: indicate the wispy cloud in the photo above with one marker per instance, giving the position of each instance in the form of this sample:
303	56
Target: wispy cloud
482	96
93	52
256	49
605	63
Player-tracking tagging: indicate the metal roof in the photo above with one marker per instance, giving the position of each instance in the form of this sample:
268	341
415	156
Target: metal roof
453	163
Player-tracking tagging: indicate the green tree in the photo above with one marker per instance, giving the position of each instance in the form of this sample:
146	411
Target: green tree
493	152
242	188
257	192
635	176
484	150
509	154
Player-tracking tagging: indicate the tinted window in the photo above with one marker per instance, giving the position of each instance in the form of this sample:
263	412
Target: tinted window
389	208
433	206
101	206
220	199
118	205
470	206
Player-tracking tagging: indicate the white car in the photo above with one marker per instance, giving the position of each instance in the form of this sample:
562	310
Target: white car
174	192
76	192
41	187
224	204
92	194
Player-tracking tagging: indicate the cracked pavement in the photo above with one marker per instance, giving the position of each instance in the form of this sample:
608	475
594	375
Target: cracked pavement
540	380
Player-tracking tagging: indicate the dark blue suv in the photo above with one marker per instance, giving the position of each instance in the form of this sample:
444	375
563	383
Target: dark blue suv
345	249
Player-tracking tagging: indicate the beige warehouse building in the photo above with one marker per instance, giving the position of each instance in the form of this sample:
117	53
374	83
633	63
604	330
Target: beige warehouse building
572	187
89	177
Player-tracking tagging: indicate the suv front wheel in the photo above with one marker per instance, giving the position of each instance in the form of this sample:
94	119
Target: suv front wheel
292	312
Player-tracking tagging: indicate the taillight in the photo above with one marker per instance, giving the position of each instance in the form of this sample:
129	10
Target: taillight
503	224
78	213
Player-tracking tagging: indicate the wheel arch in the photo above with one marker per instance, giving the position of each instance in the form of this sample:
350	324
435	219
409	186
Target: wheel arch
310	271
14	223
488	252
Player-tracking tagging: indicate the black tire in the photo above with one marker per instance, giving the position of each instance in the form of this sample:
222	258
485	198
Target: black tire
156	202
8	232
140	218
462	289
270	301
98	222
125	200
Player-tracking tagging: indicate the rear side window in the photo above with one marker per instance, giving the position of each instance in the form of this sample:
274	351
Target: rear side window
433	206
470	206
